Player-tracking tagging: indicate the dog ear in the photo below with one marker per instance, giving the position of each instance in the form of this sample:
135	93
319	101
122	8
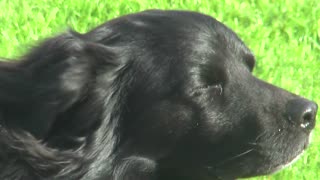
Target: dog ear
48	81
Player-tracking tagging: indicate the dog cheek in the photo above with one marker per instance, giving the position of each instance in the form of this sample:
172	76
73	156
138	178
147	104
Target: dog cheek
165	123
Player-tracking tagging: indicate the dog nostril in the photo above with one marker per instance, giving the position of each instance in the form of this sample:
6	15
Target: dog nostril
307	118
302	112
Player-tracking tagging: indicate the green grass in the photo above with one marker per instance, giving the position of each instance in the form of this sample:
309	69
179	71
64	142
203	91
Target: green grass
285	37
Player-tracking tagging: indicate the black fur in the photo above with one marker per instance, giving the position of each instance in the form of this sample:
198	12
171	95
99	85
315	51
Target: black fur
157	95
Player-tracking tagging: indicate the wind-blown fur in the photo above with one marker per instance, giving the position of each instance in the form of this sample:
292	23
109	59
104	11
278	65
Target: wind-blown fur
157	95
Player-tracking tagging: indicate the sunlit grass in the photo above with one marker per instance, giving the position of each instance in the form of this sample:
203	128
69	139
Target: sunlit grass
284	35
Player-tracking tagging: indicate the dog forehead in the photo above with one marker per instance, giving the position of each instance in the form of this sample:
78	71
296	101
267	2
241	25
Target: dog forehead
154	25
172	40
169	30
193	34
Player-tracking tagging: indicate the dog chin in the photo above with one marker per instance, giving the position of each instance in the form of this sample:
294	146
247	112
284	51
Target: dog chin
293	160
287	164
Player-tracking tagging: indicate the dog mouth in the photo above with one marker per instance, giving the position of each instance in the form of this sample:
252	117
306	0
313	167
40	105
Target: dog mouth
274	160
293	159
268	153
290	162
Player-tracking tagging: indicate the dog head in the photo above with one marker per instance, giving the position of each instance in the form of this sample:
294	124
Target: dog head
158	94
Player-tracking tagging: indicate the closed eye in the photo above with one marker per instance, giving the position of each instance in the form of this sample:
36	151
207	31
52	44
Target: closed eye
216	89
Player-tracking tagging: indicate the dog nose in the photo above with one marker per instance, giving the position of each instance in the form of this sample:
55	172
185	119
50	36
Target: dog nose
302	112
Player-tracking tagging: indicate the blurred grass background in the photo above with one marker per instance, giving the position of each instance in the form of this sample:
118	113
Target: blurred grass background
284	35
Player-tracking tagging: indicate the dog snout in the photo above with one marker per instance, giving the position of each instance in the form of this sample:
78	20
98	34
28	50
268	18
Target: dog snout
302	113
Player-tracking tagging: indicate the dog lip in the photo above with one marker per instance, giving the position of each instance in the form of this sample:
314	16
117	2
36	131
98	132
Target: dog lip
289	163
294	158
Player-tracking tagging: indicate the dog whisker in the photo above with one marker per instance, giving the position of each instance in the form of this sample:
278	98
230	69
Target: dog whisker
260	136
235	157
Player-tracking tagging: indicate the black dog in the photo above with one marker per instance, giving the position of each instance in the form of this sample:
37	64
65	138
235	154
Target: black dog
158	95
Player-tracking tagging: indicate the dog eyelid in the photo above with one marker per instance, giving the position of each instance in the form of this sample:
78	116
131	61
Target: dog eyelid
216	87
